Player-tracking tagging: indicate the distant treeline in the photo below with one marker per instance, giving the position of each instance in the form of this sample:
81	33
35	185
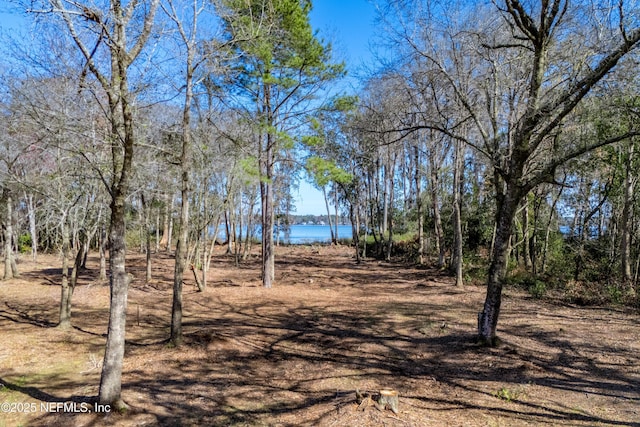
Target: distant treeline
316	220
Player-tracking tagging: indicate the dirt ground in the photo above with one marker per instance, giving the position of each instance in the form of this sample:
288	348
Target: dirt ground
295	355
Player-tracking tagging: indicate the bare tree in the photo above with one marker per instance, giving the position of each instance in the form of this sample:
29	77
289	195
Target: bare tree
527	81
119	32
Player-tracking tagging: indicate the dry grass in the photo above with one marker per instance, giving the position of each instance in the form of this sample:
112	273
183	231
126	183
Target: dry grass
294	355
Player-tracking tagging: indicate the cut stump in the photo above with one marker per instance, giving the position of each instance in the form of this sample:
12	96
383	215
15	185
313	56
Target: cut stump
384	399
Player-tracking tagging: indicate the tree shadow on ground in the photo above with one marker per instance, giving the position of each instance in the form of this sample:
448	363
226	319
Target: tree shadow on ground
243	367
266	361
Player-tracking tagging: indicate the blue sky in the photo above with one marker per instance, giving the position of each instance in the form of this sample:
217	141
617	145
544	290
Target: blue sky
347	24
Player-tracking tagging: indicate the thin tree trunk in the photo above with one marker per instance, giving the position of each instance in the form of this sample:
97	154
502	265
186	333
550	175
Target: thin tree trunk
525	234
164	242
355	229
435	200
170	232
64	321
10	267
390	213
418	185
457	215
552	210
335	198
31	212
625	221
157	231
147	237
247	243
103	257
185	166
326	203
268	156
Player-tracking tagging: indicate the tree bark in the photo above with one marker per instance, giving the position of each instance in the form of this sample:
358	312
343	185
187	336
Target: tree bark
147	237
31	212
266	192
625	221
185	166
64	321
437	221
326	204
488	318
10	267
526	255
103	256
268	255
164	242
419	213
456	265
111	377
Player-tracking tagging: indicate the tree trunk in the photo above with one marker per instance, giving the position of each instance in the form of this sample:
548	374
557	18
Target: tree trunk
268	255
111	377
266	193
170	232
103	255
326	203
69	286
437	221
147	237
456	265
355	229
246	250
488	318
185	166
31	212
419	213
10	268
157	231
390	218
625	221
64	321
164	242
335	198
526	255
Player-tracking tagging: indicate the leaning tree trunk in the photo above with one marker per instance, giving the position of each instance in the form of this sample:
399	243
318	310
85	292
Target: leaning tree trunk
69	288
488	318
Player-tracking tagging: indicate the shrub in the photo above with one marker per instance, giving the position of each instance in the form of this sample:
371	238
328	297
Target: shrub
24	243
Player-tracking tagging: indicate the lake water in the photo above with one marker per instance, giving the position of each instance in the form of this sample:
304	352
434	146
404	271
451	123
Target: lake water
301	234
304	234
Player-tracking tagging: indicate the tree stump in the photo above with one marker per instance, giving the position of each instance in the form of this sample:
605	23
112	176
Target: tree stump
388	399
384	399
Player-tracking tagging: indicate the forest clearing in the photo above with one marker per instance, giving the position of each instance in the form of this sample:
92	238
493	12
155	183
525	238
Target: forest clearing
296	354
